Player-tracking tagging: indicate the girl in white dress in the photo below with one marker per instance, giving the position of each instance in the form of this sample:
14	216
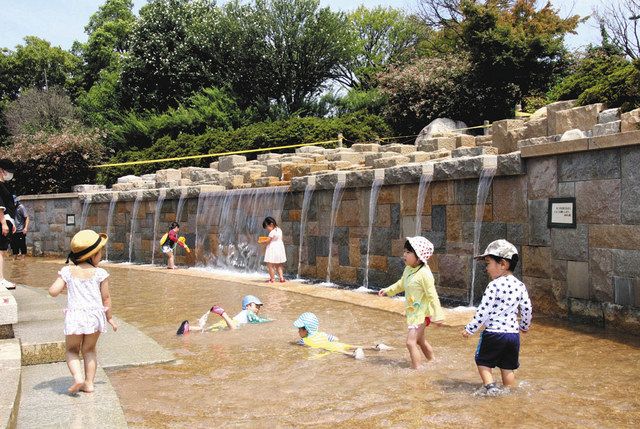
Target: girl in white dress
88	305
275	255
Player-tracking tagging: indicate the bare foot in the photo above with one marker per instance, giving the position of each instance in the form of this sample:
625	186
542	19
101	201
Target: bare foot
87	388
75	387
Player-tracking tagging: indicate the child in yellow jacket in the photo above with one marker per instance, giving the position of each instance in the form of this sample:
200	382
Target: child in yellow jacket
422	302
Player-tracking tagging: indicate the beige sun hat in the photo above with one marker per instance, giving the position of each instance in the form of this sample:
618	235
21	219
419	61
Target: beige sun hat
85	244
499	248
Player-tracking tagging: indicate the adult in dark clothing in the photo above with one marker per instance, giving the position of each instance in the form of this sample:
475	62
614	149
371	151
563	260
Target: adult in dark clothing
7	212
19	238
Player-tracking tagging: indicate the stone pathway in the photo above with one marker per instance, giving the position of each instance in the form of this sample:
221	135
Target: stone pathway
44	402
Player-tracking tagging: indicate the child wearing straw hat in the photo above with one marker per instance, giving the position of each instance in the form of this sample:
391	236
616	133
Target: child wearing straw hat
422	301
88	306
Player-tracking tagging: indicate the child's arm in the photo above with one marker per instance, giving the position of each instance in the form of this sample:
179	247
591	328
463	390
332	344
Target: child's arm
254	318
57	287
106	302
392	290
220	312
525	312
434	308
483	312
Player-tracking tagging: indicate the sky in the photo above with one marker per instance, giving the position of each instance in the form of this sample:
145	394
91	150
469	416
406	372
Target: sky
62	21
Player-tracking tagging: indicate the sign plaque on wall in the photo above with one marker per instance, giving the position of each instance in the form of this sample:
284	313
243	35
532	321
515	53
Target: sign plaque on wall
71	220
562	213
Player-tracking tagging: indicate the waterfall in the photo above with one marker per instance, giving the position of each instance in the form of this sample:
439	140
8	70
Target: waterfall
181	200
425	181
335	205
85	211
134	215
156	218
112	209
373	200
484	185
306	201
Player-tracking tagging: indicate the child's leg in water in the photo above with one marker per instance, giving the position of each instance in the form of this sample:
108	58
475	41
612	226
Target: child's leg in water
170	263
90	360
508	377
73	344
412	345
280	273
424	345
271	269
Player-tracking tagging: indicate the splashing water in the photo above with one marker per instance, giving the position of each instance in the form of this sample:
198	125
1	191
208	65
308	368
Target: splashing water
373	200
425	181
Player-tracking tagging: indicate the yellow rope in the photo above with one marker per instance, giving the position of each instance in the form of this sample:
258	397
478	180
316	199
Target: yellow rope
209	155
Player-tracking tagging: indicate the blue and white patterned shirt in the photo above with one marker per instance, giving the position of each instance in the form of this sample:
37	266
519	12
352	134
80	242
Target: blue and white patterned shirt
498	310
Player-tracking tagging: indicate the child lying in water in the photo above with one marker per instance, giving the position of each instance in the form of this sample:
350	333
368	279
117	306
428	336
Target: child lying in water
308	324
251	306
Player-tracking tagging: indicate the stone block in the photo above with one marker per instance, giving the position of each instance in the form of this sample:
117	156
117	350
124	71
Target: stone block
214	165
584	311
351	157
570	244
455	271
598	201
419	156
473	151
128	179
506	133
567	189
8	308
542	176
510	164
538	140
293	159
311	149
606	129
485	140
461	168
366	147
390	162
621	318
269	156
437	143
625	263
536	127
509	199
583	118
609	115
535	261
574	134
233	181
229	162
329	181
630	121
169	174
556	148
578	279
593	165
88	188
539	233
370	158
626	291
629	189
185	182
402	149
262	182
465	140
630	138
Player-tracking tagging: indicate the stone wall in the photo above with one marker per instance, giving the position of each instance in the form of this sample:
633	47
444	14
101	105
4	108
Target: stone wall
591	272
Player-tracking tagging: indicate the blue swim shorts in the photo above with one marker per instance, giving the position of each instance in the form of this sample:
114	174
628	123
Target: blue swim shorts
498	349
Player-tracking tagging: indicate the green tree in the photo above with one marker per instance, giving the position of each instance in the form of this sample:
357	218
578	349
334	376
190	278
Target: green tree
382	36
109	30
174	52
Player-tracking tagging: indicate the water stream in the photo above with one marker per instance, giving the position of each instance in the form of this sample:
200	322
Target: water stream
373	200
335	205
484	185
425	181
112	209
156	218
306	201
85	211
181	201
134	215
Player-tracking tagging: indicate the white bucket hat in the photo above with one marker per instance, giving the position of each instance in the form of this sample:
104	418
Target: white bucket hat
422	247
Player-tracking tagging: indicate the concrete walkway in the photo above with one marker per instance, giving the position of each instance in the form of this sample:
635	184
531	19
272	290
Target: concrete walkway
44	401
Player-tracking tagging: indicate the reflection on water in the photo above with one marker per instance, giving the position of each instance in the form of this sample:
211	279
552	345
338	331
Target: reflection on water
254	377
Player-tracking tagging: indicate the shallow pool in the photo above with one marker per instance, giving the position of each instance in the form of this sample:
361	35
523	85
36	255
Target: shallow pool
255	377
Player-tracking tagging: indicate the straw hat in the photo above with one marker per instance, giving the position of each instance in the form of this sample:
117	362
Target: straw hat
85	244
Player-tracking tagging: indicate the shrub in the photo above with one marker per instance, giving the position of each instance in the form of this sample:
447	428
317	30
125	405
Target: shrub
354	127
54	162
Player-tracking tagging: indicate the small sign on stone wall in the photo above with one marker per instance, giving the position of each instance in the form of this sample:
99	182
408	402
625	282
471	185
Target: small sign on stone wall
71	220
562	213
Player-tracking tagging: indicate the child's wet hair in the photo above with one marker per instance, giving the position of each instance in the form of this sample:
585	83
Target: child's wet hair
174	225
408	247
513	262
269	221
